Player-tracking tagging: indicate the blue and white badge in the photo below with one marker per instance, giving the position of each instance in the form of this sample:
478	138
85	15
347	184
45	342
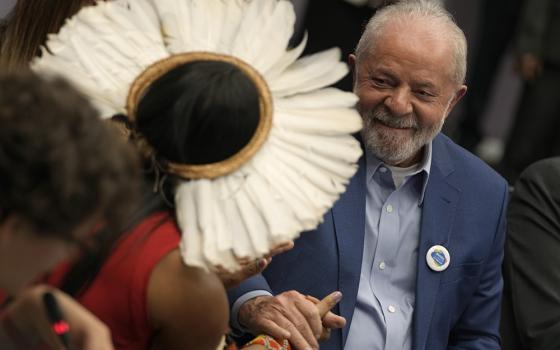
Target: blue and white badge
438	258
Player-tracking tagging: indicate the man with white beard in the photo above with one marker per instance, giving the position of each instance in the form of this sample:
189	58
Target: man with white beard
415	245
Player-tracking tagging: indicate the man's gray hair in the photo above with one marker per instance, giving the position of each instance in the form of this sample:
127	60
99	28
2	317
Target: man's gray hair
408	10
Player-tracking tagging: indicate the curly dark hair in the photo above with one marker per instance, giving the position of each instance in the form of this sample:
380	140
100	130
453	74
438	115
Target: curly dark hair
59	163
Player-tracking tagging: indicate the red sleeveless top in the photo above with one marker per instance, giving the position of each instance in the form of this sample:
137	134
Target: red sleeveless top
118	295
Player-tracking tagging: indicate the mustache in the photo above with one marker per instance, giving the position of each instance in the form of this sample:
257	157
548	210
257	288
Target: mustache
385	117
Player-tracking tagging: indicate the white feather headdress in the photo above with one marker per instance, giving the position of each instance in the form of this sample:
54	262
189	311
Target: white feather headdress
309	155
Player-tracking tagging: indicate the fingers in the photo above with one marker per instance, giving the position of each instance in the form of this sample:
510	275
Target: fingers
271	328
325	334
310	320
332	320
101	340
289	312
304	321
284	247
328	303
248	269
28	316
88	332
254	268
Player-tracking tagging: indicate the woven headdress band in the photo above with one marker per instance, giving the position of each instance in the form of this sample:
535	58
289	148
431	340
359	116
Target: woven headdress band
226	166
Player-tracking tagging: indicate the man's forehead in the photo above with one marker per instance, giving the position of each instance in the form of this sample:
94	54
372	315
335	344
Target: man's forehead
421	31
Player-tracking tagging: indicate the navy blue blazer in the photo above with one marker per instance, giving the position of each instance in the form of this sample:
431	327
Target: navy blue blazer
463	209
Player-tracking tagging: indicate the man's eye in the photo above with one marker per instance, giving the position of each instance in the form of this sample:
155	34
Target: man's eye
425	93
379	82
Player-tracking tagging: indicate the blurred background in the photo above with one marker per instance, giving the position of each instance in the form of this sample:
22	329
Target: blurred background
511	114
5	6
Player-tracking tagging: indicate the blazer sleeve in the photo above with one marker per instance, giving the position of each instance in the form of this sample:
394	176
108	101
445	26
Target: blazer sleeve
478	326
532	266
250	288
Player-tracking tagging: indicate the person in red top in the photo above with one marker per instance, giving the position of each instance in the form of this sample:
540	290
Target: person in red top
119	292
138	283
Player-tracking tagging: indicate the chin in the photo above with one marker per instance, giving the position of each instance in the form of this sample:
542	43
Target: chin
389	148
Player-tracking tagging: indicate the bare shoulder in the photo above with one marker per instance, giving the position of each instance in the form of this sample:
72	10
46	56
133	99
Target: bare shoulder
186	305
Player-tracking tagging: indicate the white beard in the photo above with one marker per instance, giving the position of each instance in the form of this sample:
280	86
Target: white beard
395	147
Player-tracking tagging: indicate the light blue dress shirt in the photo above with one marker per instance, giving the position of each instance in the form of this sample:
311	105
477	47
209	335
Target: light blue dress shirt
382	318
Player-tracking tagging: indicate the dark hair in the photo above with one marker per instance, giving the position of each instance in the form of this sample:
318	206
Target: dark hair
59	163
27	26
199	113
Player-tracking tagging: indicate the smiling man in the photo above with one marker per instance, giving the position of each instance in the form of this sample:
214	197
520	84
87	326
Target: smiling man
415	245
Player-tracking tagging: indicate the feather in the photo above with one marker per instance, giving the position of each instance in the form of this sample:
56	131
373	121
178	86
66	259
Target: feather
342	148
318	99
233	16
102	49
325	122
267	28
191	241
287	59
203	32
272	204
310	73
242	246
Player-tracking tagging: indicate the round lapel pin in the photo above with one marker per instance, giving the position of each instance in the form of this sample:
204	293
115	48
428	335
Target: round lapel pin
438	258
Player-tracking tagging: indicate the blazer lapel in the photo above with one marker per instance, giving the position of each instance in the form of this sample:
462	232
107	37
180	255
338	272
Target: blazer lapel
349	220
438	213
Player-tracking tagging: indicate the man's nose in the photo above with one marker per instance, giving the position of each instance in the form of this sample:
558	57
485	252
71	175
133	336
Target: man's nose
398	102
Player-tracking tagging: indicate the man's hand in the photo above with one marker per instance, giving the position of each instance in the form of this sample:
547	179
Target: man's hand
289	315
28	315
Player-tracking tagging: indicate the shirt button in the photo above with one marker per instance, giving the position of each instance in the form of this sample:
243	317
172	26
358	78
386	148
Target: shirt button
382	265
389	208
383	169
391	309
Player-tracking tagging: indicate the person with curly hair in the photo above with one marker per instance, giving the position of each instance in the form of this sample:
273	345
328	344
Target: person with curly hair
63	173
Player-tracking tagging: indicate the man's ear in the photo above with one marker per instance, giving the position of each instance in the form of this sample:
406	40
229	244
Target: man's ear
352	66
456	98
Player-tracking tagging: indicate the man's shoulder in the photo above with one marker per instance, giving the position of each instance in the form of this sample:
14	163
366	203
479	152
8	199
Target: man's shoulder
465	167
549	167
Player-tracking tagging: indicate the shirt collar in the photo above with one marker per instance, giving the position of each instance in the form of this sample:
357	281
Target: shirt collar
373	163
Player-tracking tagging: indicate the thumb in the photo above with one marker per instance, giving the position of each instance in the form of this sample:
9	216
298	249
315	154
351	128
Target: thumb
328	303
